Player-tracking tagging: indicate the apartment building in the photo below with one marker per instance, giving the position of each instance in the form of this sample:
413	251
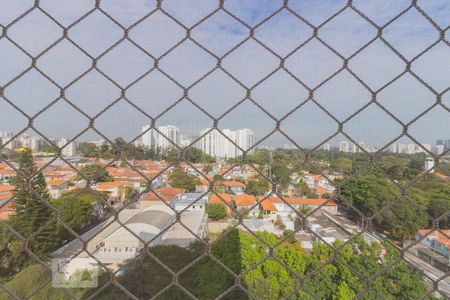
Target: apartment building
226	143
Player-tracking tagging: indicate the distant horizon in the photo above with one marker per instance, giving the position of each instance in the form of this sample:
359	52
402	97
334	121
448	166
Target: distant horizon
335	142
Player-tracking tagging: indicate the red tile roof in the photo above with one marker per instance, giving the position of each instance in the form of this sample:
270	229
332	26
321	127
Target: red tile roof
441	236
244	200
233	183
267	205
6	196
56	182
7	188
215	199
7	172
166	193
304	201
109	185
320	190
6	211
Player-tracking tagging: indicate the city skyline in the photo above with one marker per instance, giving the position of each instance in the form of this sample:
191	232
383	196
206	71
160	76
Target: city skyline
218	143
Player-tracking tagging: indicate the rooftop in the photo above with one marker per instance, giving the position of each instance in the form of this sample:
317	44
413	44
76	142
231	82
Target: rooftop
189	198
214	199
164	193
244	200
7	188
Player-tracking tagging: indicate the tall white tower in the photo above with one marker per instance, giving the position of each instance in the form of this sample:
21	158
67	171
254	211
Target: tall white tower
343	146
429	164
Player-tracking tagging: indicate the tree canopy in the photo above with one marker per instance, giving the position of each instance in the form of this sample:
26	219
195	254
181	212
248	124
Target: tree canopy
94	173
264	278
190	154
180	179
215	211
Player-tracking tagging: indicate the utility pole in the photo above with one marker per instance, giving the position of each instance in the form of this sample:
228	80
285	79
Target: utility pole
270	164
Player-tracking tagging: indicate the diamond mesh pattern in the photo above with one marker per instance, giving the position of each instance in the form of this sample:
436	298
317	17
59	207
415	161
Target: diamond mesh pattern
342	60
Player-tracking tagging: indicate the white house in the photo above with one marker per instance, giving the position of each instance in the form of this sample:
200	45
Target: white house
112	244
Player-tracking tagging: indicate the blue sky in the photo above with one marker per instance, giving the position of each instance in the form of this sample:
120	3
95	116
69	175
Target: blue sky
154	93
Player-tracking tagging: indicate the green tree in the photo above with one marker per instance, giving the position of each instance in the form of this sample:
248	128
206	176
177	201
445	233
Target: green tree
280	171
324	272
34	279
179	179
94	173
32	216
79	209
48	148
215	211
303	188
190	154
258	186
342	164
104	151
344	292
88	149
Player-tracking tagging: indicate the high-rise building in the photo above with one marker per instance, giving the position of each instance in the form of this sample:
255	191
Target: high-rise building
392	148
148	137
212	143
67	149
223	144
425	147
35	143
164	138
6	135
343	146
10	144
184	140
401	148
410	148
439	149
245	140
361	147
326	147
168	136
445	143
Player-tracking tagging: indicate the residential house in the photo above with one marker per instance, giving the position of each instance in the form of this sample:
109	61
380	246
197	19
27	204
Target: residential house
190	202
204	185
117	191
316	180
221	186
220	198
245	202
284	206
235	187
268	208
435	248
112	244
56	187
6	174
166	194
6	204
